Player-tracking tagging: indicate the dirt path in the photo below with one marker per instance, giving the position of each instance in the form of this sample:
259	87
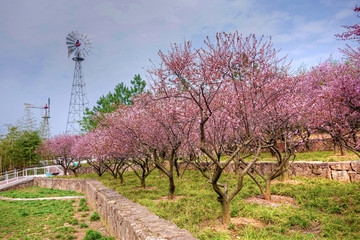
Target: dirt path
45	198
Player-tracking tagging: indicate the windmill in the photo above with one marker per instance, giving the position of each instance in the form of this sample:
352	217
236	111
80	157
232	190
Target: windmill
45	126
79	45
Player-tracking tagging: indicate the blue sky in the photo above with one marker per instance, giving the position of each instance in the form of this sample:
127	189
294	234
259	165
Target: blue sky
127	33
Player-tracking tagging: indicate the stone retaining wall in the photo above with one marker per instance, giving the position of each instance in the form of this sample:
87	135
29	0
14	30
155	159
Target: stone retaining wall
18	185
342	171
347	171
122	218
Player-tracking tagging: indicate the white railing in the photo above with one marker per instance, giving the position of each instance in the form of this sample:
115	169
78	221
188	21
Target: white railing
55	162
15	175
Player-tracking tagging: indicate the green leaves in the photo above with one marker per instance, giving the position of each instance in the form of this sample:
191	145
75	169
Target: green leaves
94	216
109	102
17	148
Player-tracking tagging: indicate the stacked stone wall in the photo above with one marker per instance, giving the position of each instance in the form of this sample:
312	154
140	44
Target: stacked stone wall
18	185
122	218
346	171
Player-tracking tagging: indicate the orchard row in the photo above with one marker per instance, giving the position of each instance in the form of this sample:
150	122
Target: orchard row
234	97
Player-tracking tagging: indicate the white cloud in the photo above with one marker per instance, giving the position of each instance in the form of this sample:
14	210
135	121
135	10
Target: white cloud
127	33
344	13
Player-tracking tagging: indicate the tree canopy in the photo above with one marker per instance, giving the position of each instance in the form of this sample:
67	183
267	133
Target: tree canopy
122	95
17	148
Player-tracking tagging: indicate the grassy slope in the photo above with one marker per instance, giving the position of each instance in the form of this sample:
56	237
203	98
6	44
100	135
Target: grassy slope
45	219
327	209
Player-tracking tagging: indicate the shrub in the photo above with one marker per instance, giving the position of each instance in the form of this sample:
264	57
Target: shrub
70	237
74	222
83	225
82	201
94	217
92	235
83	208
23	212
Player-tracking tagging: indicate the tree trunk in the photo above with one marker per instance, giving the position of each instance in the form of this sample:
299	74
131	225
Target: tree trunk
285	174
74	172
273	154
122	181
267	195
177	168
183	172
342	151
335	148
171	186
225	204
143	183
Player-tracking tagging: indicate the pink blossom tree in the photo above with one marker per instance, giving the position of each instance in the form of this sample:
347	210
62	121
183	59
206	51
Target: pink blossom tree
333	97
156	126
350	89
60	149
86	148
353	32
138	158
113	149
227	86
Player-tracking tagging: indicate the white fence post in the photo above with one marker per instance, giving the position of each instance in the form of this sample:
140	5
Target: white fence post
15	174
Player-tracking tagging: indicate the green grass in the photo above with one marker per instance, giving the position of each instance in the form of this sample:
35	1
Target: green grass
95	235
38	192
45	219
324	156
94	217
17	218
327	209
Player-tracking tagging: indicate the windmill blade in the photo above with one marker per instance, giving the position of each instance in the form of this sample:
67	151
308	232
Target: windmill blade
71	47
86	51
70	43
70	37
76	35
70	51
79	50
88	43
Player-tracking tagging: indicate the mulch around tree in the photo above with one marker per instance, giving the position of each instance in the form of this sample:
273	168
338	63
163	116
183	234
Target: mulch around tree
276	200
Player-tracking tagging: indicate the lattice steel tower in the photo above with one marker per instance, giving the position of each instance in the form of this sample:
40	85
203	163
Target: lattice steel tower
45	126
80	45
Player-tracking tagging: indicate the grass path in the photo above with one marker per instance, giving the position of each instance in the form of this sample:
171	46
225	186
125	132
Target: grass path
44	198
